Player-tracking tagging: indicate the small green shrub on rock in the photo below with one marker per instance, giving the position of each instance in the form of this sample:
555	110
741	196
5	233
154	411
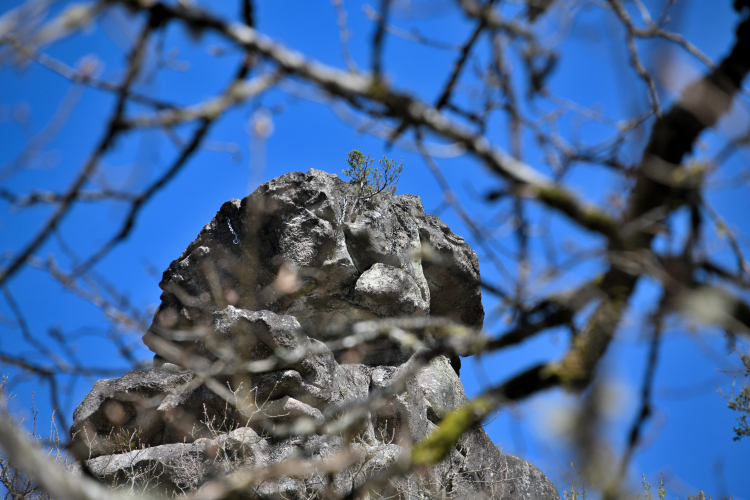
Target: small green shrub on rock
372	180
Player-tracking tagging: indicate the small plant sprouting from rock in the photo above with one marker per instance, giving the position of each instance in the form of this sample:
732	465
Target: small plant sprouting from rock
577	490
574	493
372	180
741	404
647	488
124	441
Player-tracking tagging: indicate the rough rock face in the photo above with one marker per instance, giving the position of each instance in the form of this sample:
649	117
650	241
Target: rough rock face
245	376
309	248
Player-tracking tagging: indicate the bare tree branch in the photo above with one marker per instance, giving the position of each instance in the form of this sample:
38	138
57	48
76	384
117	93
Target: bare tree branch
135	60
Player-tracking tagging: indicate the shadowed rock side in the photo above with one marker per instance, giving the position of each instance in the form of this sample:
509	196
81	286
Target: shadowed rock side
310	259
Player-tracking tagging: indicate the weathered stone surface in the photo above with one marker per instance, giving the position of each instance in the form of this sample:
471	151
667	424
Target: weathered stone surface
386	290
308	247
147	408
311	258
526	481
170	469
253	335
192	414
119	413
443	391
474	468
178	468
450	267
162	405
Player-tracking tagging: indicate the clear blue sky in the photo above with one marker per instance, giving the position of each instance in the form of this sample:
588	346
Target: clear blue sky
689	438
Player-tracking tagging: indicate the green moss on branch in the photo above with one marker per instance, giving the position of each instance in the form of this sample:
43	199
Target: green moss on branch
440	441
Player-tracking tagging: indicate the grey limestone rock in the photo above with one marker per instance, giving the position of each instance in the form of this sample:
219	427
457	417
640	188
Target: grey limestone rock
310	259
386	290
526	482
309	248
167	469
146	408
118	412
254	335
475	467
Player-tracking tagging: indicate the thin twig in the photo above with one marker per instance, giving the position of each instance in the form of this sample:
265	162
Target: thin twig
134	66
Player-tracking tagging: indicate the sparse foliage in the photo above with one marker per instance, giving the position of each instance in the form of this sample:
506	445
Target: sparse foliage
577	489
124	441
17	484
372	180
741	404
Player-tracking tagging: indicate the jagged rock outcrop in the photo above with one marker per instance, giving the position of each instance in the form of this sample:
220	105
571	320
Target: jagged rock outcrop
309	248
245	377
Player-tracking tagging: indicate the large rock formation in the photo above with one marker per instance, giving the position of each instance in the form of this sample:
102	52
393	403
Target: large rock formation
258	364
